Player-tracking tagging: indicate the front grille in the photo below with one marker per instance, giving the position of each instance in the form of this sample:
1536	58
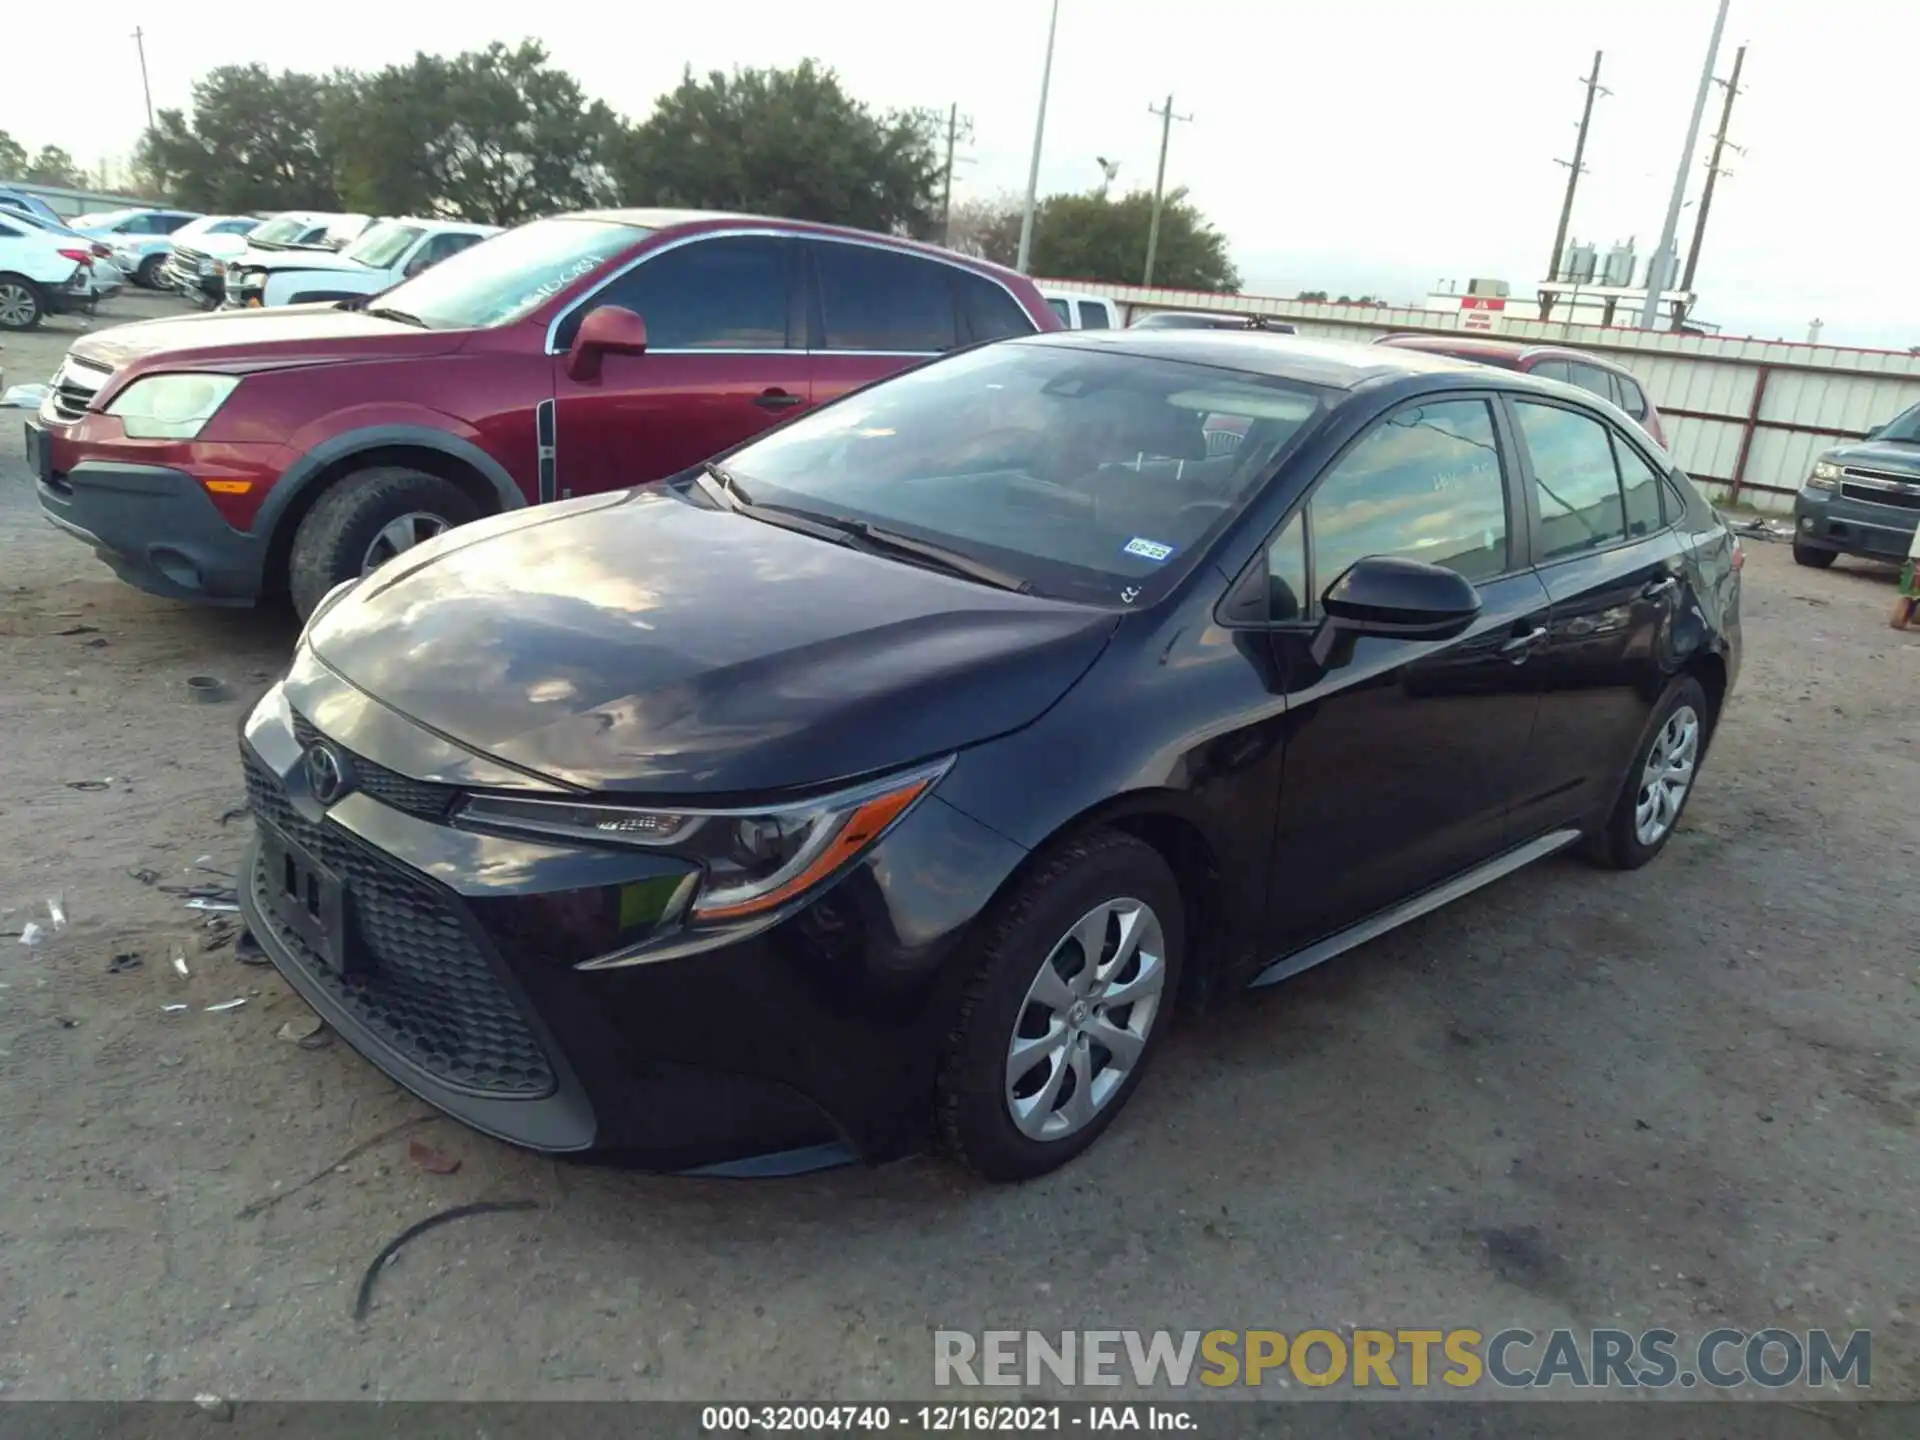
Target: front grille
428	992
422	798
74	388
1874	495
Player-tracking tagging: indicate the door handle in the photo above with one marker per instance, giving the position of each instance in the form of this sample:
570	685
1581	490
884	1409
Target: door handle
1519	647
1657	588
777	399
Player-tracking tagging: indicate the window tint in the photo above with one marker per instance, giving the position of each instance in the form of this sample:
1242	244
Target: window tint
1093	316
1639	487
1593	379
1632	399
1059	307
873	299
440	247
1578	488
991	312
725	294
171	223
1425	483
1553	370
233	227
1287	573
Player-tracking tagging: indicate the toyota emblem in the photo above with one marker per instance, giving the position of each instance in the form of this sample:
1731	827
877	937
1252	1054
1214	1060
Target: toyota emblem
327	774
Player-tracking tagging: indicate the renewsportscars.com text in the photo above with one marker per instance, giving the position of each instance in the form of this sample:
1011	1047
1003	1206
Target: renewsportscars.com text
1512	1359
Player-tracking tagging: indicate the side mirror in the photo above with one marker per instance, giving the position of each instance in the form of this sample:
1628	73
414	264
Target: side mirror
604	330
1382	595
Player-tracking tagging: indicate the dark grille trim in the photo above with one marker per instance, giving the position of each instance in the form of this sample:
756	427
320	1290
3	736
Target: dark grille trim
1874	495
421	798
432	996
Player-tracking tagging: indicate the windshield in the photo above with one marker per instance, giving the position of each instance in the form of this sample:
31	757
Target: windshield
280	230
509	276
1903	429
383	244
1093	477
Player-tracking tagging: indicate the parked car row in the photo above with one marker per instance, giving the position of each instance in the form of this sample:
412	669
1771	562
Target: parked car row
966	695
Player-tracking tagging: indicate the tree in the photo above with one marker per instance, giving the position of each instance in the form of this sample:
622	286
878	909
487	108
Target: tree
13	158
784	142
53	166
1319	295
986	227
257	141
1089	237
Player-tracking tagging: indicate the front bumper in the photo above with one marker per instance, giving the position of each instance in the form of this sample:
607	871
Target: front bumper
816	1037
1829	520
157	528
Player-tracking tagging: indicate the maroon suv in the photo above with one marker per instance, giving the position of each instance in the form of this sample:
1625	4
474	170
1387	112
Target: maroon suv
228	456
1551	362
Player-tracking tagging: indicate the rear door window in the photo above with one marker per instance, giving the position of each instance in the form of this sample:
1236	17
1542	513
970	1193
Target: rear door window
989	311
1553	370
1060	308
1633	399
883	301
1575	479
1093	315
1592	379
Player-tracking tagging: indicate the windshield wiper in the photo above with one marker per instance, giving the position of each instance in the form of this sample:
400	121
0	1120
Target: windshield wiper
720	484
954	562
387	312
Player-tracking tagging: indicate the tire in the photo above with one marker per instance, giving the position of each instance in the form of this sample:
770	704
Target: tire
1810	556
1622	843
1029	937
22	306
148	274
336	537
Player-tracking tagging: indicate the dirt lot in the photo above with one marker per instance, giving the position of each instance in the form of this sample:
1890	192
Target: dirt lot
1685	1096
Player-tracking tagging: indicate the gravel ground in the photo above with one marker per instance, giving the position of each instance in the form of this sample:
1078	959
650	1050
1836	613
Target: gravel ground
1680	1097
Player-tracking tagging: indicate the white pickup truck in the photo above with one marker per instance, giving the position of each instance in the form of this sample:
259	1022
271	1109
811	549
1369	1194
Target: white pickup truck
199	270
389	252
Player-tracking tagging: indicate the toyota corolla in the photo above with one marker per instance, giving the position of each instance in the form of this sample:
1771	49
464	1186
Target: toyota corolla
896	777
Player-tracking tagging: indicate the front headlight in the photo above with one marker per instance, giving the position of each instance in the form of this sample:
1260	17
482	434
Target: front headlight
751	861
171	407
1826	476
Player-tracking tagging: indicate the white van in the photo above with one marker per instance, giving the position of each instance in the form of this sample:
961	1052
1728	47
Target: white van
1080	311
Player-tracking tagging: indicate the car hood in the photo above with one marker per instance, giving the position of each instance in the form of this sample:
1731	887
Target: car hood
270	260
642	642
238	340
1885	455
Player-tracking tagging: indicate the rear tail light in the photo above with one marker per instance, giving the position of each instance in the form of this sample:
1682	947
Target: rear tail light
1739	554
79	257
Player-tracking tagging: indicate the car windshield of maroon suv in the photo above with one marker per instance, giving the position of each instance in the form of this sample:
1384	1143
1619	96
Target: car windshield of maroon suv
889	779
503	279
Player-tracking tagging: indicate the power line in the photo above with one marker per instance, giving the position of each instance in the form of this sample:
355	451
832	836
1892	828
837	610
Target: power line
1714	172
1167	117
1575	169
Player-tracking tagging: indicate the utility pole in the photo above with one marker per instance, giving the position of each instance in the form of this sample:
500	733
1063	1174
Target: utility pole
1039	132
1574	171
1167	117
1713	171
1658	269
958	129
140	43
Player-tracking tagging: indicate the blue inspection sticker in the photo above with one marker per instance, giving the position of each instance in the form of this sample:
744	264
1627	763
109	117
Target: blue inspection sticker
1146	549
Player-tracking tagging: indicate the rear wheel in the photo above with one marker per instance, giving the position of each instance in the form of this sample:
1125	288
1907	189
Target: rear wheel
363	521
1076	984
1661	780
1811	555
21	305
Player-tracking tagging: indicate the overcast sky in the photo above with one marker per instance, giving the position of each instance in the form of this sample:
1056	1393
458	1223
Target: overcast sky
1345	145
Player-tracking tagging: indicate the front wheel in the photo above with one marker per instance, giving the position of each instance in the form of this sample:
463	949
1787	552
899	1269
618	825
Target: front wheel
21	307
1812	556
363	521
149	272
1661	780
1075	986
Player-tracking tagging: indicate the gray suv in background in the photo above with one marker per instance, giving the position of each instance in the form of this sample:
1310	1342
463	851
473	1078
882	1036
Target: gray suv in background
1862	498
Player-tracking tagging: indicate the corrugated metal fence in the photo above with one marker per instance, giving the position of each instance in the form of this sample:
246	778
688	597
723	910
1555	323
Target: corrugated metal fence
1746	418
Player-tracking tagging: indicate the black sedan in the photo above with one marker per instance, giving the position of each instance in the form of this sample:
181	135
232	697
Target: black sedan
897	776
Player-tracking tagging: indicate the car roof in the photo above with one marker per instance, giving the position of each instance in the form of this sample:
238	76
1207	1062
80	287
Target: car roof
667	219
1339	364
1505	349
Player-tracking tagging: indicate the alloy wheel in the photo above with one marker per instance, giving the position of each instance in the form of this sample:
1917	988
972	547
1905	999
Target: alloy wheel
1668	775
17	305
400	535
1084	1023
